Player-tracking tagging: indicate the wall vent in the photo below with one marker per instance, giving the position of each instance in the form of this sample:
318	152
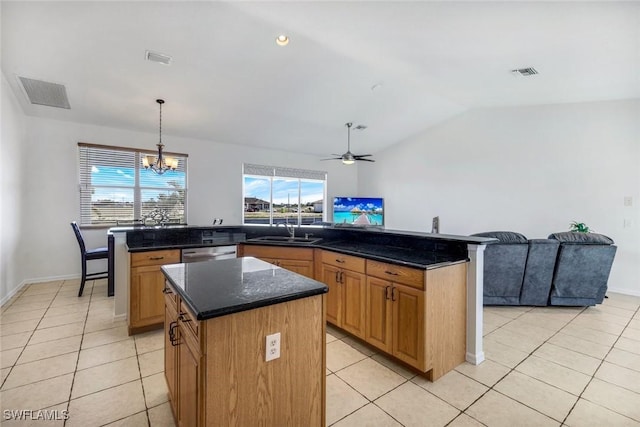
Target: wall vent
158	57
45	93
525	72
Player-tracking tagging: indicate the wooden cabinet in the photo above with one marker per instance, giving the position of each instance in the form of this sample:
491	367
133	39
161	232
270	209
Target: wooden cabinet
344	275
298	260
395	320
146	302
217	374
183	361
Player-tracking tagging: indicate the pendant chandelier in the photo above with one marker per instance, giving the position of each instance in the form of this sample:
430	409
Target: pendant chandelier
160	164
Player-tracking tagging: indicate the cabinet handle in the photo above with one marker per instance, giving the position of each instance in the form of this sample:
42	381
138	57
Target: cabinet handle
183	318
156	258
167	291
342	277
172	333
393	273
340	261
386	292
337	277
393	294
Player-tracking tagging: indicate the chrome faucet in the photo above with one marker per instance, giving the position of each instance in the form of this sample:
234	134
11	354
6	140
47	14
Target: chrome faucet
290	229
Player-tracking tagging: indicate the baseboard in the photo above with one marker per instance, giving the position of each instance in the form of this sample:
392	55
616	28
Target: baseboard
26	282
624	291
11	294
120	317
475	358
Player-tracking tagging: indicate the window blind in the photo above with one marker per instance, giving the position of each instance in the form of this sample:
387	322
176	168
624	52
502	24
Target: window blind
115	187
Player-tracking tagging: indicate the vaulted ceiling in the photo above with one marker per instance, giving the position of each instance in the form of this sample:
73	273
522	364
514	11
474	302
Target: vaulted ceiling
396	67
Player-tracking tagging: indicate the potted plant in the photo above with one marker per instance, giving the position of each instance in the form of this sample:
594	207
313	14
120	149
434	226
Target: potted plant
579	227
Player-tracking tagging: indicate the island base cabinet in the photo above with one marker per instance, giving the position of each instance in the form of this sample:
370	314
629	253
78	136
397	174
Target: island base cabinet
217	374
244	390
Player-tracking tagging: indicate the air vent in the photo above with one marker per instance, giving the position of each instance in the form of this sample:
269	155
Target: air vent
45	93
158	57
525	72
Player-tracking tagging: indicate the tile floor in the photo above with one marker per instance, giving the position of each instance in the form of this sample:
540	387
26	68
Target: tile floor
545	366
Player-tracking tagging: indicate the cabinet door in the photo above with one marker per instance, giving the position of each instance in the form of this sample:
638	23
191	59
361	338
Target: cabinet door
302	267
147	299
379	313
408	325
189	365
170	354
334	297
354	294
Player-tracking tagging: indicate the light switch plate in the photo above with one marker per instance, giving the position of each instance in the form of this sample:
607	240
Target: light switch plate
628	201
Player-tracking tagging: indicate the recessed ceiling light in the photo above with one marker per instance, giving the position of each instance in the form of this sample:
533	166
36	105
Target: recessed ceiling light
282	40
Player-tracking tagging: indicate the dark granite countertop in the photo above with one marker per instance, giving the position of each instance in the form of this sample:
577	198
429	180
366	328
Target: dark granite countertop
217	288
395	255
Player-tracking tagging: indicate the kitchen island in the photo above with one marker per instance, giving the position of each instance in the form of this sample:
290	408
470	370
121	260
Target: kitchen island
223	320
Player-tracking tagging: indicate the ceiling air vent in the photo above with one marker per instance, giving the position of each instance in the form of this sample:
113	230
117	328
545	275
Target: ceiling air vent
158	57
45	93
525	72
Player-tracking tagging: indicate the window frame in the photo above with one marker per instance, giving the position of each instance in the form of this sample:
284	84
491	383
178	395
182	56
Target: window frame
272	173
137	189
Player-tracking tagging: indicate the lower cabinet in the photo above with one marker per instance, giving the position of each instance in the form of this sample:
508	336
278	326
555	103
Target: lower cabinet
183	362
417	316
298	260
395	320
146	282
347	291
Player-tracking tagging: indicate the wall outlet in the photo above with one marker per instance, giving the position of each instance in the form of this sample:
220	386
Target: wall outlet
273	347
628	201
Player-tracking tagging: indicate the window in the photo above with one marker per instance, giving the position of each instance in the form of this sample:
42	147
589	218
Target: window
115	188
274	195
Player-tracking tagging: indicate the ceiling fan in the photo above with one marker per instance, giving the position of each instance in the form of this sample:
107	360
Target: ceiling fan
349	158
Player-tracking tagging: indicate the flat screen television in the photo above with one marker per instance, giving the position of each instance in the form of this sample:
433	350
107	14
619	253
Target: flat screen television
358	211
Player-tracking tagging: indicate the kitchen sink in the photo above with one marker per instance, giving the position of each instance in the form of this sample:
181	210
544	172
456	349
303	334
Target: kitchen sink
285	240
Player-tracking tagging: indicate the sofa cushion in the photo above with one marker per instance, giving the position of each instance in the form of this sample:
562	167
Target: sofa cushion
572	237
504	236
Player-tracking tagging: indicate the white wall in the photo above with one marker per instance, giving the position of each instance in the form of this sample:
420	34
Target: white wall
530	169
12	145
51	197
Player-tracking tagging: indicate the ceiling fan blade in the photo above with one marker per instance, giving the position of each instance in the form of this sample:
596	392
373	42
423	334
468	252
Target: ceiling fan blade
362	155
332	158
364	160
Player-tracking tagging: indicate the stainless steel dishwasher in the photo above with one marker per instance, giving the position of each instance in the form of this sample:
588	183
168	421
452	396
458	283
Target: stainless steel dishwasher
209	253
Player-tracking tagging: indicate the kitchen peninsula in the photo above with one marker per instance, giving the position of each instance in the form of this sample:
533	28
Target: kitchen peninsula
244	341
413	250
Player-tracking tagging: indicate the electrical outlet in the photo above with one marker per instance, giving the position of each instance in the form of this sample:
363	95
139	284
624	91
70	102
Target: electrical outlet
628	201
273	347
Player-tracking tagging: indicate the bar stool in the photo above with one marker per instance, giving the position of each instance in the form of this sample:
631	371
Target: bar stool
89	255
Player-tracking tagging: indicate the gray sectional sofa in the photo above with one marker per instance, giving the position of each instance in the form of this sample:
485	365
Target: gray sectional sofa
568	268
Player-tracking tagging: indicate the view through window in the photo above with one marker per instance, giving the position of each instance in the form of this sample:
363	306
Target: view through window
274	195
116	189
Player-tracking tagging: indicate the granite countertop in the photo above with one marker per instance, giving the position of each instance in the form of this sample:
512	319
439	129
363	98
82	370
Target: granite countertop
213	289
395	255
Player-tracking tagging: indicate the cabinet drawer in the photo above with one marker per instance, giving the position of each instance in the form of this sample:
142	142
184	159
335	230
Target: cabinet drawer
347	262
155	257
278	252
188	322
396	273
170	297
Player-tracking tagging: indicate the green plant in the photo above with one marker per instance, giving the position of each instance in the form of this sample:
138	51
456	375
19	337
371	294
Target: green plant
579	227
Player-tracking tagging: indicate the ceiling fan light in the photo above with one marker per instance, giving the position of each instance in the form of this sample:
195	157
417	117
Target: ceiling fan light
348	161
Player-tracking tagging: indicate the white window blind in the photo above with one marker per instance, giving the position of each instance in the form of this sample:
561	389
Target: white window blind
116	188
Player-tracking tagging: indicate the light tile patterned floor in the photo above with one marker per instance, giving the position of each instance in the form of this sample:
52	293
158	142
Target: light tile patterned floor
545	366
